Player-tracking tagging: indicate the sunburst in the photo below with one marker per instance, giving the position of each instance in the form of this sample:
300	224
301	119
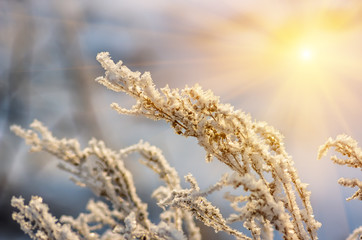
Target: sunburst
298	62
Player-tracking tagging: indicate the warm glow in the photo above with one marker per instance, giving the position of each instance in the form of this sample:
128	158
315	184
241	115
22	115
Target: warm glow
306	54
298	64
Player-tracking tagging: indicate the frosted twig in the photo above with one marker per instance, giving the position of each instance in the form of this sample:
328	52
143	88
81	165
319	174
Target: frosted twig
251	149
348	147
36	221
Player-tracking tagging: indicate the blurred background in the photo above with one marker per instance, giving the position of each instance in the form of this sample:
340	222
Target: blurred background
293	64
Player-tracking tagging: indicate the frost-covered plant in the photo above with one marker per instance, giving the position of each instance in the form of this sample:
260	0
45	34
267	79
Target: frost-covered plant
347	146
263	174
103	171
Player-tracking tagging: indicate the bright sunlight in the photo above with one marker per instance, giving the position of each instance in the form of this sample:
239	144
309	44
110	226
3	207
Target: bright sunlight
302	59
306	54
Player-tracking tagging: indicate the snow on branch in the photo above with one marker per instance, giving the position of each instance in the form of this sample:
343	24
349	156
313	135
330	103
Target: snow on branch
348	147
251	149
36	221
268	194
102	170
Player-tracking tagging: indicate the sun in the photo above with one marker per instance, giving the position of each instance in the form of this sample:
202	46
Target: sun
306	54
298	64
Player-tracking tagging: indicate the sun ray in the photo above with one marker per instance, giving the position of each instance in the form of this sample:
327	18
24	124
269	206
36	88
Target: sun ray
297	61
